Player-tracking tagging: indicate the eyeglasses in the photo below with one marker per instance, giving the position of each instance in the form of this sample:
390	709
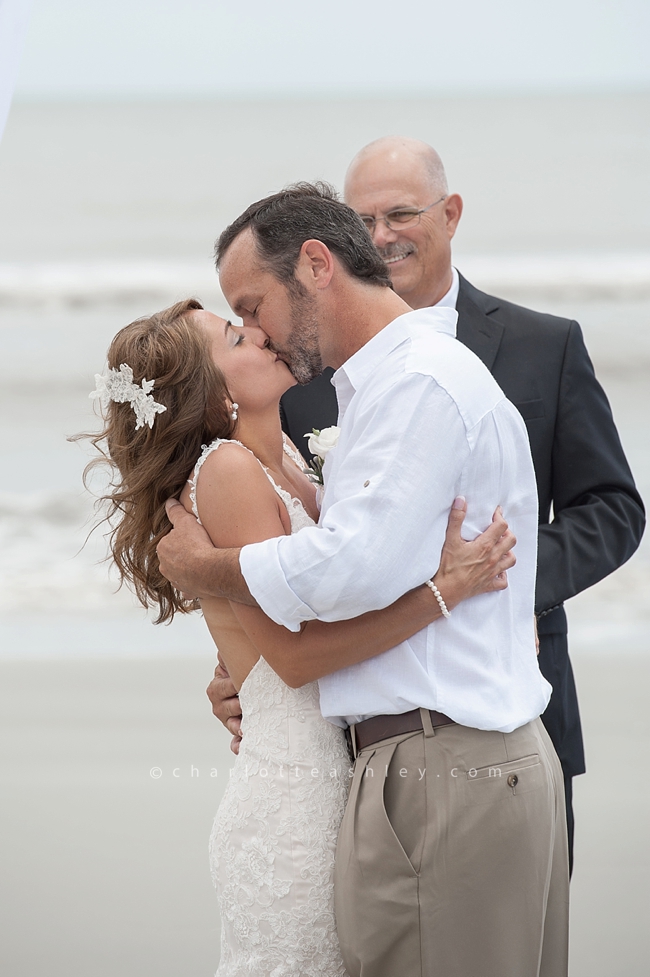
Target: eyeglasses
397	220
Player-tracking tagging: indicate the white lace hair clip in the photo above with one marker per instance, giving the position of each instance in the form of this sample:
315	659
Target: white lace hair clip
119	387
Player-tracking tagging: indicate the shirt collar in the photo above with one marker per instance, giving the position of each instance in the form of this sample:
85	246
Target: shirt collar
449	300
362	364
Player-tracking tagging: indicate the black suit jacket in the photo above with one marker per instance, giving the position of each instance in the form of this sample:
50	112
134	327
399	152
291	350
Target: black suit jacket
584	482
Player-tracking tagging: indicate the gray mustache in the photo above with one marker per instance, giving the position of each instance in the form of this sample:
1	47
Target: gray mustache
397	250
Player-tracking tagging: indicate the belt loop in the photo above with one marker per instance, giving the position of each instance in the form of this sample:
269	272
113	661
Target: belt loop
427	725
353	741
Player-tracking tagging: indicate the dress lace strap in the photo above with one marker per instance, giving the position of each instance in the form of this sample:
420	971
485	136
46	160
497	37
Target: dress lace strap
207	450
293	453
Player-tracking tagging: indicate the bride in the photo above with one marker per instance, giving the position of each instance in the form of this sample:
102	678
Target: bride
190	409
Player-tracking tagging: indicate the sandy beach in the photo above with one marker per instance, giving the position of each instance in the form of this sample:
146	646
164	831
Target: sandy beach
114	773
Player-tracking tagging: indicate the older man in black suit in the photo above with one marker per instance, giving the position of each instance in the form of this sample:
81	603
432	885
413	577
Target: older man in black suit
590	513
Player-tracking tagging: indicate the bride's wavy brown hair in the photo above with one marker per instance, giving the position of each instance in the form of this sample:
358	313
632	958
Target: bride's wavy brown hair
151	465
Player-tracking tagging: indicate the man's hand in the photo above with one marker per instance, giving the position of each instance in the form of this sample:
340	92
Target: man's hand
225	704
476	567
194	566
180	552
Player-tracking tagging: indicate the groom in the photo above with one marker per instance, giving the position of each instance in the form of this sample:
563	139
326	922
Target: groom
452	854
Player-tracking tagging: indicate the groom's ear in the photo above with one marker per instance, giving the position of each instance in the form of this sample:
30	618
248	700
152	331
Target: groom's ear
315	264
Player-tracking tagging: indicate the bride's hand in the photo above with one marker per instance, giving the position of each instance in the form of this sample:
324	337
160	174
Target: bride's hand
479	566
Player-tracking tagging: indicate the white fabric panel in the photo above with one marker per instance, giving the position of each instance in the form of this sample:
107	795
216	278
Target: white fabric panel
14	18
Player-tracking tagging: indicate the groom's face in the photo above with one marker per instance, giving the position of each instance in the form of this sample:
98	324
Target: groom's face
287	314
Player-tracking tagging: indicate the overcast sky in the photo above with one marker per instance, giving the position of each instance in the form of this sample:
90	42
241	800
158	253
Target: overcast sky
90	48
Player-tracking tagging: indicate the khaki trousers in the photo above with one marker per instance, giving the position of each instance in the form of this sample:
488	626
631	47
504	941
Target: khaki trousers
452	857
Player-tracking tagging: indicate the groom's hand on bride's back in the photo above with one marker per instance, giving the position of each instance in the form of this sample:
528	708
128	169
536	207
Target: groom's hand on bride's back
225	704
479	566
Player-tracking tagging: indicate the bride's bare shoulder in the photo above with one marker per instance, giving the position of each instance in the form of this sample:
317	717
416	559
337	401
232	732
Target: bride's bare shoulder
235	500
232	460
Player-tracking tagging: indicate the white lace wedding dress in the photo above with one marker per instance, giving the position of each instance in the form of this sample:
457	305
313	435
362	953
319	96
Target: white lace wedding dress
274	836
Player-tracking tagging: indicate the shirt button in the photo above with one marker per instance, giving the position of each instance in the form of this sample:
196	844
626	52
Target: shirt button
366	484
513	780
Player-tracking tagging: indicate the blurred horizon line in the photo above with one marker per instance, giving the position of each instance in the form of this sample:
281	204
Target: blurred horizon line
577	274
440	94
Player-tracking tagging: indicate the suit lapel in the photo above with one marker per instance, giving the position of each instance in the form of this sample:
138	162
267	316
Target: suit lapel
476	329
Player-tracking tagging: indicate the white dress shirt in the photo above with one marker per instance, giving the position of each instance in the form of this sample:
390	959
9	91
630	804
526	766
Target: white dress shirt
450	298
422	421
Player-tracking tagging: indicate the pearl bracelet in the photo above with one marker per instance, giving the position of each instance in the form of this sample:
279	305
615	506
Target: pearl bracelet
436	593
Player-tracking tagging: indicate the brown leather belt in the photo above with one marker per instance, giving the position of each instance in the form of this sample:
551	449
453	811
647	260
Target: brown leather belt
382	727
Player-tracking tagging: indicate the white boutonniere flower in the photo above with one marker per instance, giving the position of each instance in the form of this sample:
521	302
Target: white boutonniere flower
320	444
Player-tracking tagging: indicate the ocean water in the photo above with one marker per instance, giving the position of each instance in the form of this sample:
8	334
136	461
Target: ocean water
109	211
539	175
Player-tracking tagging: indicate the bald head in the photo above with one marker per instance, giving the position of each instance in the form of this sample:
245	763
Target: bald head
397	154
397	174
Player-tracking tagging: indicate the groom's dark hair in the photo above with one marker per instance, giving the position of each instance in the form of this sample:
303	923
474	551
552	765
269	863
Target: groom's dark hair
283	222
